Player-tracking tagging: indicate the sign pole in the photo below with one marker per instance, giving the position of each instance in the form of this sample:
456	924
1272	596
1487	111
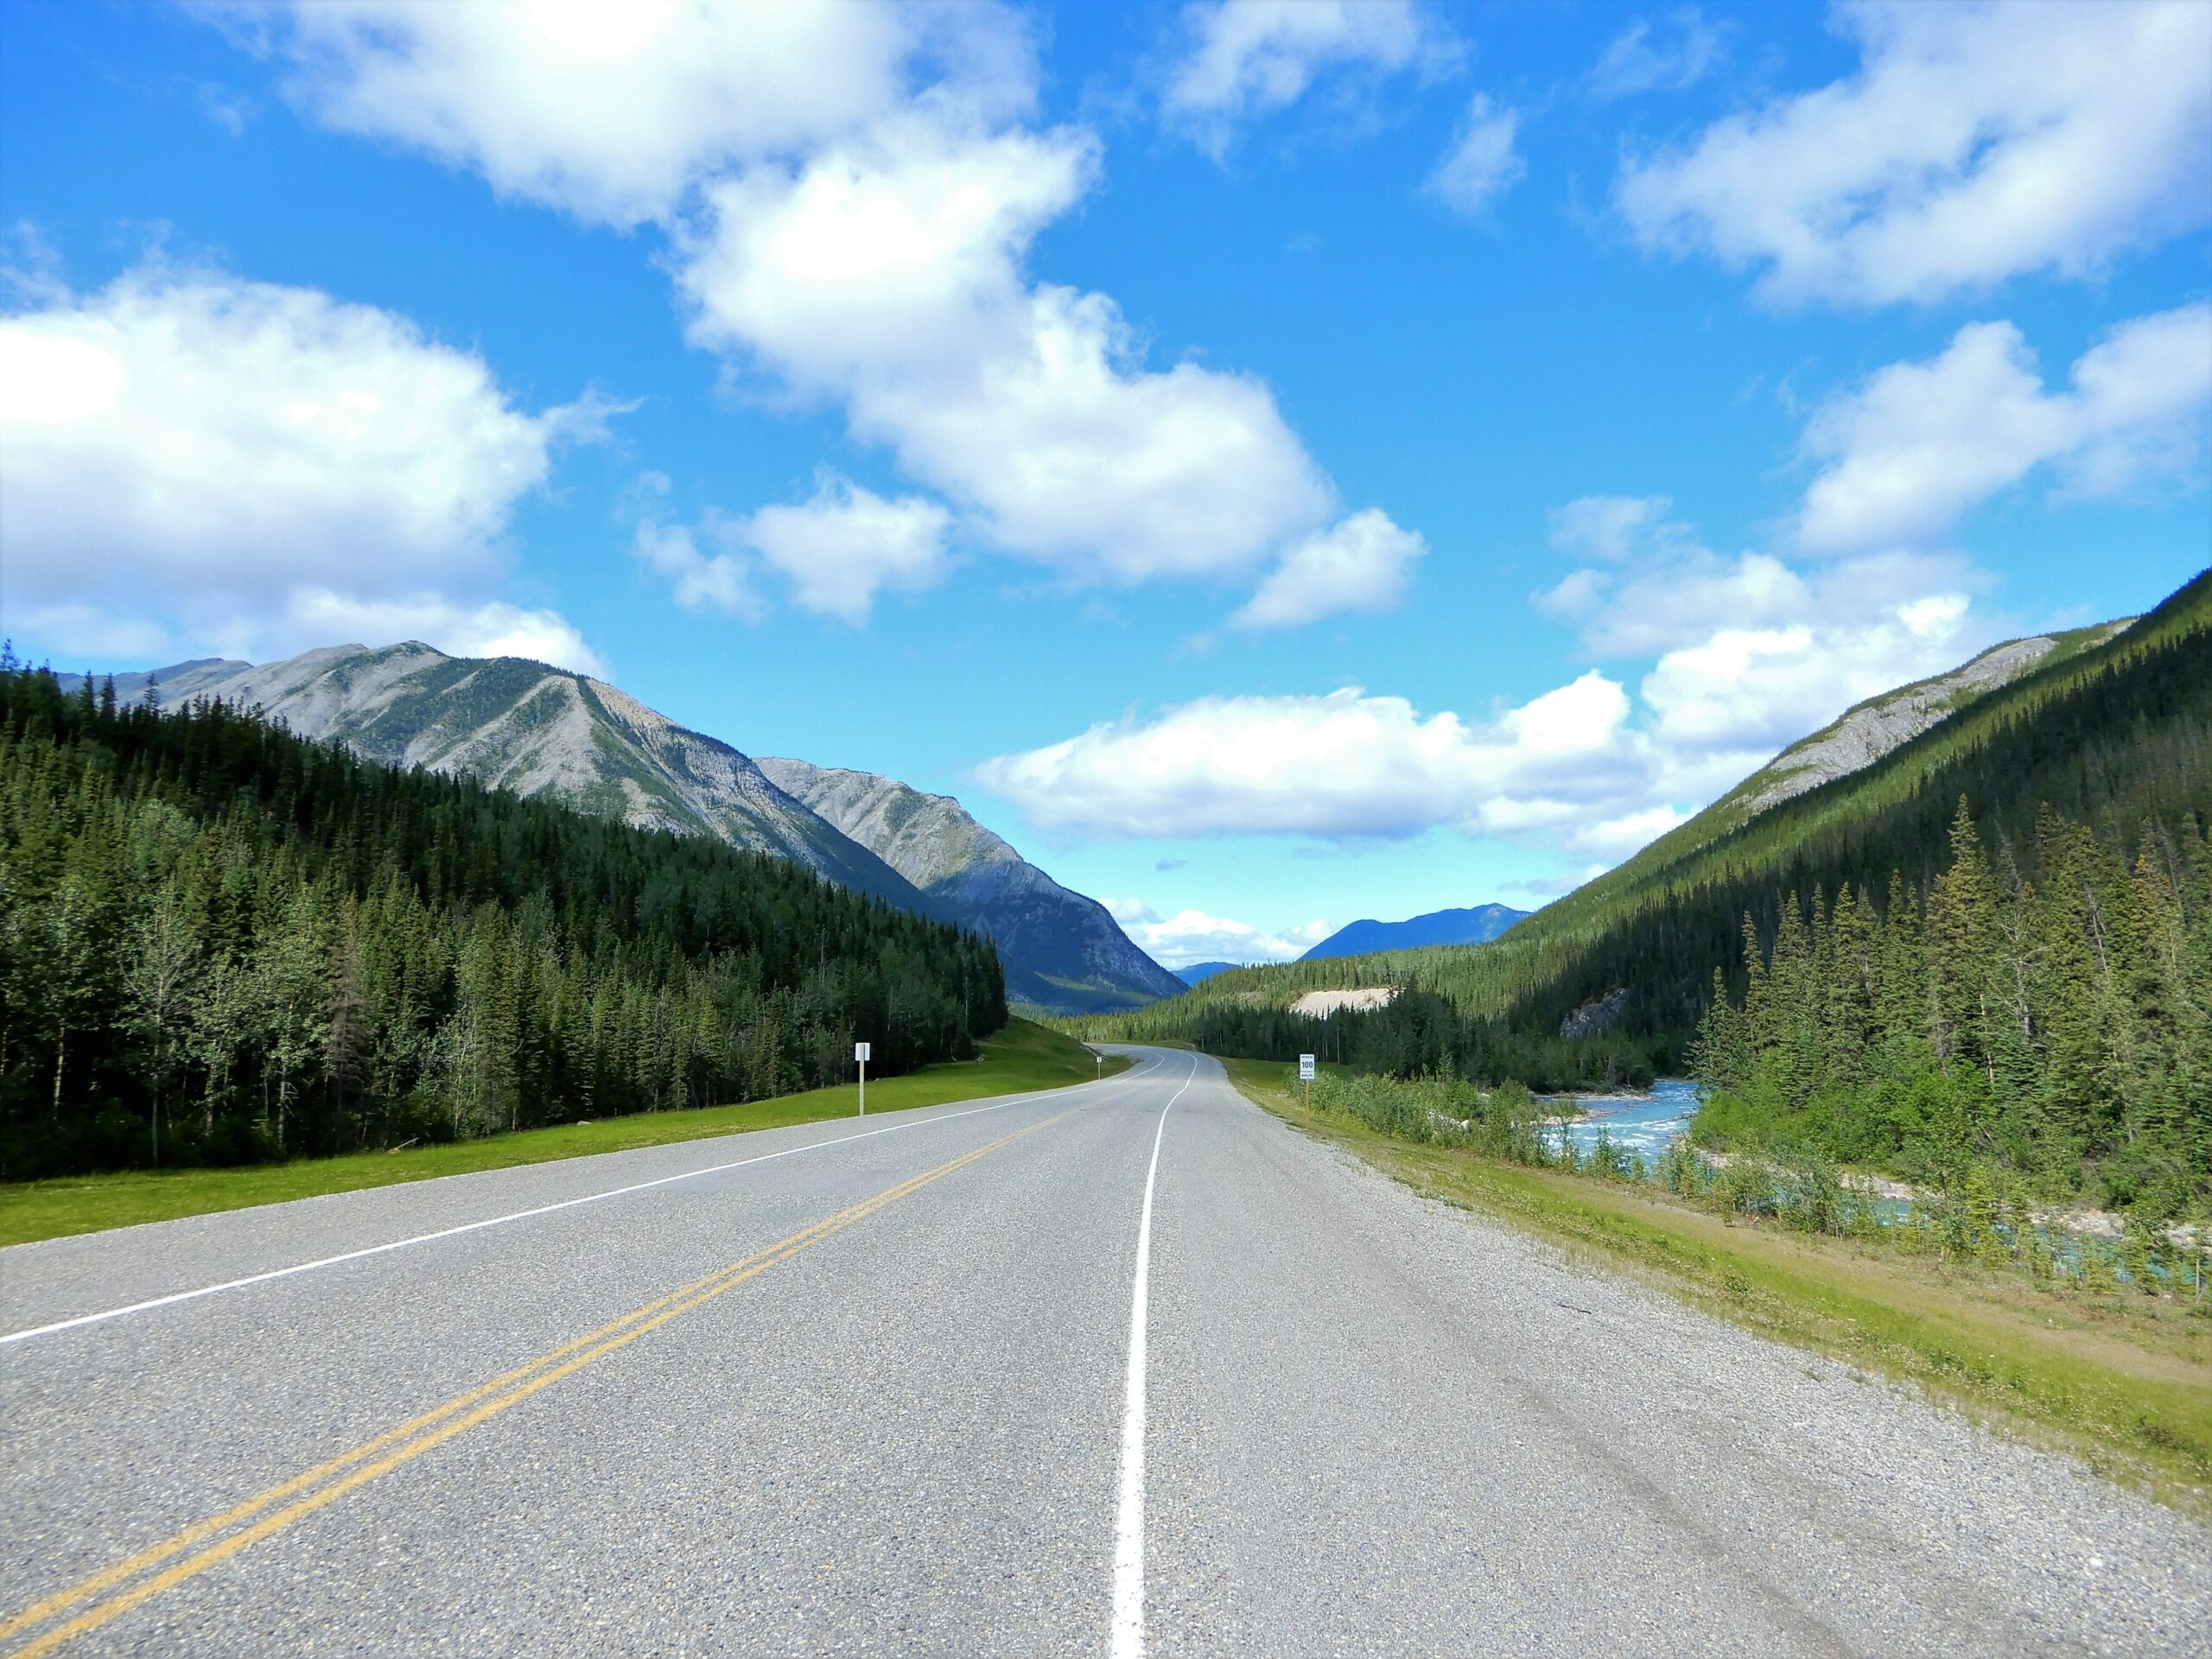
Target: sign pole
1306	1077
860	1058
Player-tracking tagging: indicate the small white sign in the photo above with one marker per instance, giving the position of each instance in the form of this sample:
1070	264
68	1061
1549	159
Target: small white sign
860	1053
1305	1068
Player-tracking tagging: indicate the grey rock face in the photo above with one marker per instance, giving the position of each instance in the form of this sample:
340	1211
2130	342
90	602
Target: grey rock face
537	731
545	731
1601	1016
1073	954
1870	731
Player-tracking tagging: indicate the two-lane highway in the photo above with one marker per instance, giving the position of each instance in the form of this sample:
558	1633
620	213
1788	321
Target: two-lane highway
1122	1367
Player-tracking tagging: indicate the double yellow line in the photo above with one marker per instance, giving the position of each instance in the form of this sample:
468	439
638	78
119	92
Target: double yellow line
208	1543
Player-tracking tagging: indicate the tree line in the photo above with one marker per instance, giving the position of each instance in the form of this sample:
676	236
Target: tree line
1421	1034
2045	1006
220	943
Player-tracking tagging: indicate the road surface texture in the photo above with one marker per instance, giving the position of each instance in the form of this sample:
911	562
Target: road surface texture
1121	1369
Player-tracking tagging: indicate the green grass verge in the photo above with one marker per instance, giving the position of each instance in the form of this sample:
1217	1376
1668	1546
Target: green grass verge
1022	1058
2124	1382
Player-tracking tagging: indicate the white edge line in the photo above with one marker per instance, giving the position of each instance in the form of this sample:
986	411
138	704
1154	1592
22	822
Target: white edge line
1127	1640
519	1215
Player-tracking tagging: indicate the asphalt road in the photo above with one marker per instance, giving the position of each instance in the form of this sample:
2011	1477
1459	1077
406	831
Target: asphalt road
871	1389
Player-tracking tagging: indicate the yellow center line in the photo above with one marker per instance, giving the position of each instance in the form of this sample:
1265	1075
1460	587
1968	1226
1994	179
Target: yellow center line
433	1428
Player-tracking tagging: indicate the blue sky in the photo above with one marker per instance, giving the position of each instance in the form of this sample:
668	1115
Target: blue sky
1276	464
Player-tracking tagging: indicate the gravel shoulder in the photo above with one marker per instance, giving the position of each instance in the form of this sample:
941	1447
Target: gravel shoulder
1393	1424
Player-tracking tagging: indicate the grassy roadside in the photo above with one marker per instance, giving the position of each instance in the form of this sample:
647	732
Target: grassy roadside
2124	1383
1023	1057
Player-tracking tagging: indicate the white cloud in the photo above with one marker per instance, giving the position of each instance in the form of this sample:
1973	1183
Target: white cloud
1584	767
1974	143
612	111
1909	452
1616	838
1677	595
887	273
1752	652
1746	655
850	194
1748	692
492	629
189	457
1635	62
1482	164
1250	58
1363	563
1191	935
1613	527
700	582
846	544
1343	764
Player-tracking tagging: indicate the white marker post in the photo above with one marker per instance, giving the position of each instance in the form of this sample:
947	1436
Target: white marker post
860	1058
1306	1077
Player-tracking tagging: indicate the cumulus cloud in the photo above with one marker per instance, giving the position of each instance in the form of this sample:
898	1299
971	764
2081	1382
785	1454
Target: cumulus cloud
1747	692
1343	764
1483	162
700	582
833	552
1617	837
186	456
850	194
1614	527
1752	652
847	544
492	629
612	111
886	274
1745	656
1191	935
1642	60
1246	59
1973	143
1363	563
1908	452
1585	767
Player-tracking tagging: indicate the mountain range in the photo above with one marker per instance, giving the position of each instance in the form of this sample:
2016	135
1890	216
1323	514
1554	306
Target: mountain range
537	730
1477	926
1197	973
2105	725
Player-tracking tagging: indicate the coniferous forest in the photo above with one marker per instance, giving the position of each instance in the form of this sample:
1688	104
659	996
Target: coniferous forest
220	943
1992	944
2048	1009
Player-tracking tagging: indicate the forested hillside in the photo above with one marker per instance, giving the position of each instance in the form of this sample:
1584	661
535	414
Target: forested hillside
2050	1009
219	942
2111	742
542	731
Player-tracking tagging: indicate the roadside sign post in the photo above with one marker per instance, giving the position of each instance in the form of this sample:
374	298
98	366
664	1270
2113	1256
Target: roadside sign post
1101	1058
860	1058
1306	1077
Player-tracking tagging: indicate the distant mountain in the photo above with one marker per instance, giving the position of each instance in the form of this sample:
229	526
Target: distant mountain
1068	940
1477	926
1199	972
545	731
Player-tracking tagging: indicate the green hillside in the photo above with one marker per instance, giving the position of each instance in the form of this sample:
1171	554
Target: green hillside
2107	741
221	942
